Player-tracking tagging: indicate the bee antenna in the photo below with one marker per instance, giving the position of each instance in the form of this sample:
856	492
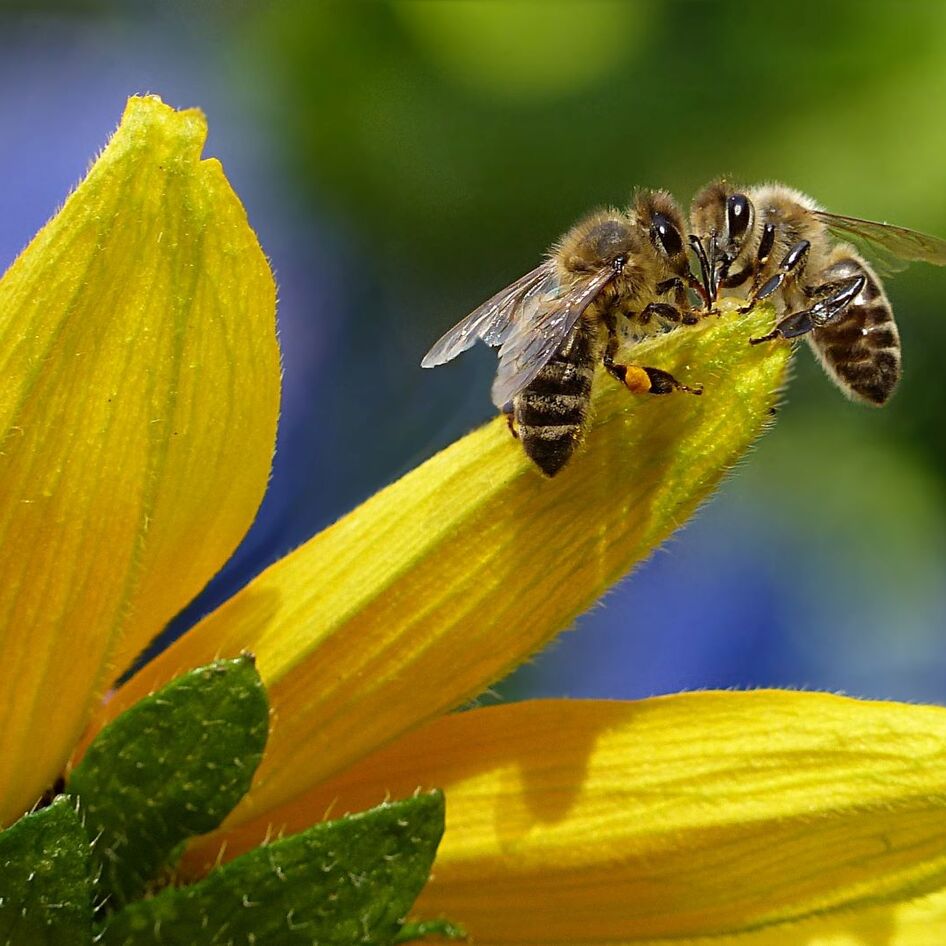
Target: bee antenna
709	291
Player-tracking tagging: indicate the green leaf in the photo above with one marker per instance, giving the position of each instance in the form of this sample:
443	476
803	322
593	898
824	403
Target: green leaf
336	884
172	766
45	897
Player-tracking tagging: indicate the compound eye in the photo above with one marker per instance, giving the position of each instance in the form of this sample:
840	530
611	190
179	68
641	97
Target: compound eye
665	235
738	212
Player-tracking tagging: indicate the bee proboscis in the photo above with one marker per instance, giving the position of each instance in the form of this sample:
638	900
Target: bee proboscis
554	324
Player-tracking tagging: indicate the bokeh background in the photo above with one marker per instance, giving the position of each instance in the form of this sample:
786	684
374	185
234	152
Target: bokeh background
402	161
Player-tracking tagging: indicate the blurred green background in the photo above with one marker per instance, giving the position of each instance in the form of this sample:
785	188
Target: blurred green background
402	161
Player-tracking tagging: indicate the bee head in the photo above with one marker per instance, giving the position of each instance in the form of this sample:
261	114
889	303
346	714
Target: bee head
658	215
722	218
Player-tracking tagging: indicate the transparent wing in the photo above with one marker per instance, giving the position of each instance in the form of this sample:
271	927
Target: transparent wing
491	321
899	242
884	263
545	322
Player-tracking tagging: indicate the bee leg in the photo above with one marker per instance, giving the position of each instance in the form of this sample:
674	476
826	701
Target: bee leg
736	279
617	371
668	314
510	416
791	267
637	379
674	283
756	268
678	285
641	380
610	350
829	308
663	311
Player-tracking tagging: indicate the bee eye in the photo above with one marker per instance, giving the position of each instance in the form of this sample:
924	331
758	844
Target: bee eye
738	212
665	235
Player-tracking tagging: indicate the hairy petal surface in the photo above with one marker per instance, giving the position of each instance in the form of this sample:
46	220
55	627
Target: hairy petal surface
139	389
445	581
675	818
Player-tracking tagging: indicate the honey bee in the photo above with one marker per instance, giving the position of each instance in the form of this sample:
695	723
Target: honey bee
779	243
554	324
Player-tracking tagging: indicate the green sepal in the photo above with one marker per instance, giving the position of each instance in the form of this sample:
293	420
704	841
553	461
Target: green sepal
338	883
45	893
172	766
421	929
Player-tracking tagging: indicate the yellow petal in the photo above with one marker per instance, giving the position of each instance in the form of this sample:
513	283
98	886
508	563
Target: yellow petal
920	922
138	398
692	815
443	582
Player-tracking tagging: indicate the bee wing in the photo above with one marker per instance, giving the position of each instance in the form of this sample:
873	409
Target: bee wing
490	321
546	320
899	242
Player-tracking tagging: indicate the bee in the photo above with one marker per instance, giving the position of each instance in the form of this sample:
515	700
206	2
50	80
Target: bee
773	241
554	324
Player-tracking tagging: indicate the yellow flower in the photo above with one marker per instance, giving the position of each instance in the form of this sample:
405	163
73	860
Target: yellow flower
139	388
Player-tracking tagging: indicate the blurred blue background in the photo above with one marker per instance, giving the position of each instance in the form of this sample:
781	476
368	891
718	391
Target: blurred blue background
402	161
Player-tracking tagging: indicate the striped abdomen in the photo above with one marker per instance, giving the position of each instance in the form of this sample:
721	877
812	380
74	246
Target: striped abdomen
861	351
551	411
